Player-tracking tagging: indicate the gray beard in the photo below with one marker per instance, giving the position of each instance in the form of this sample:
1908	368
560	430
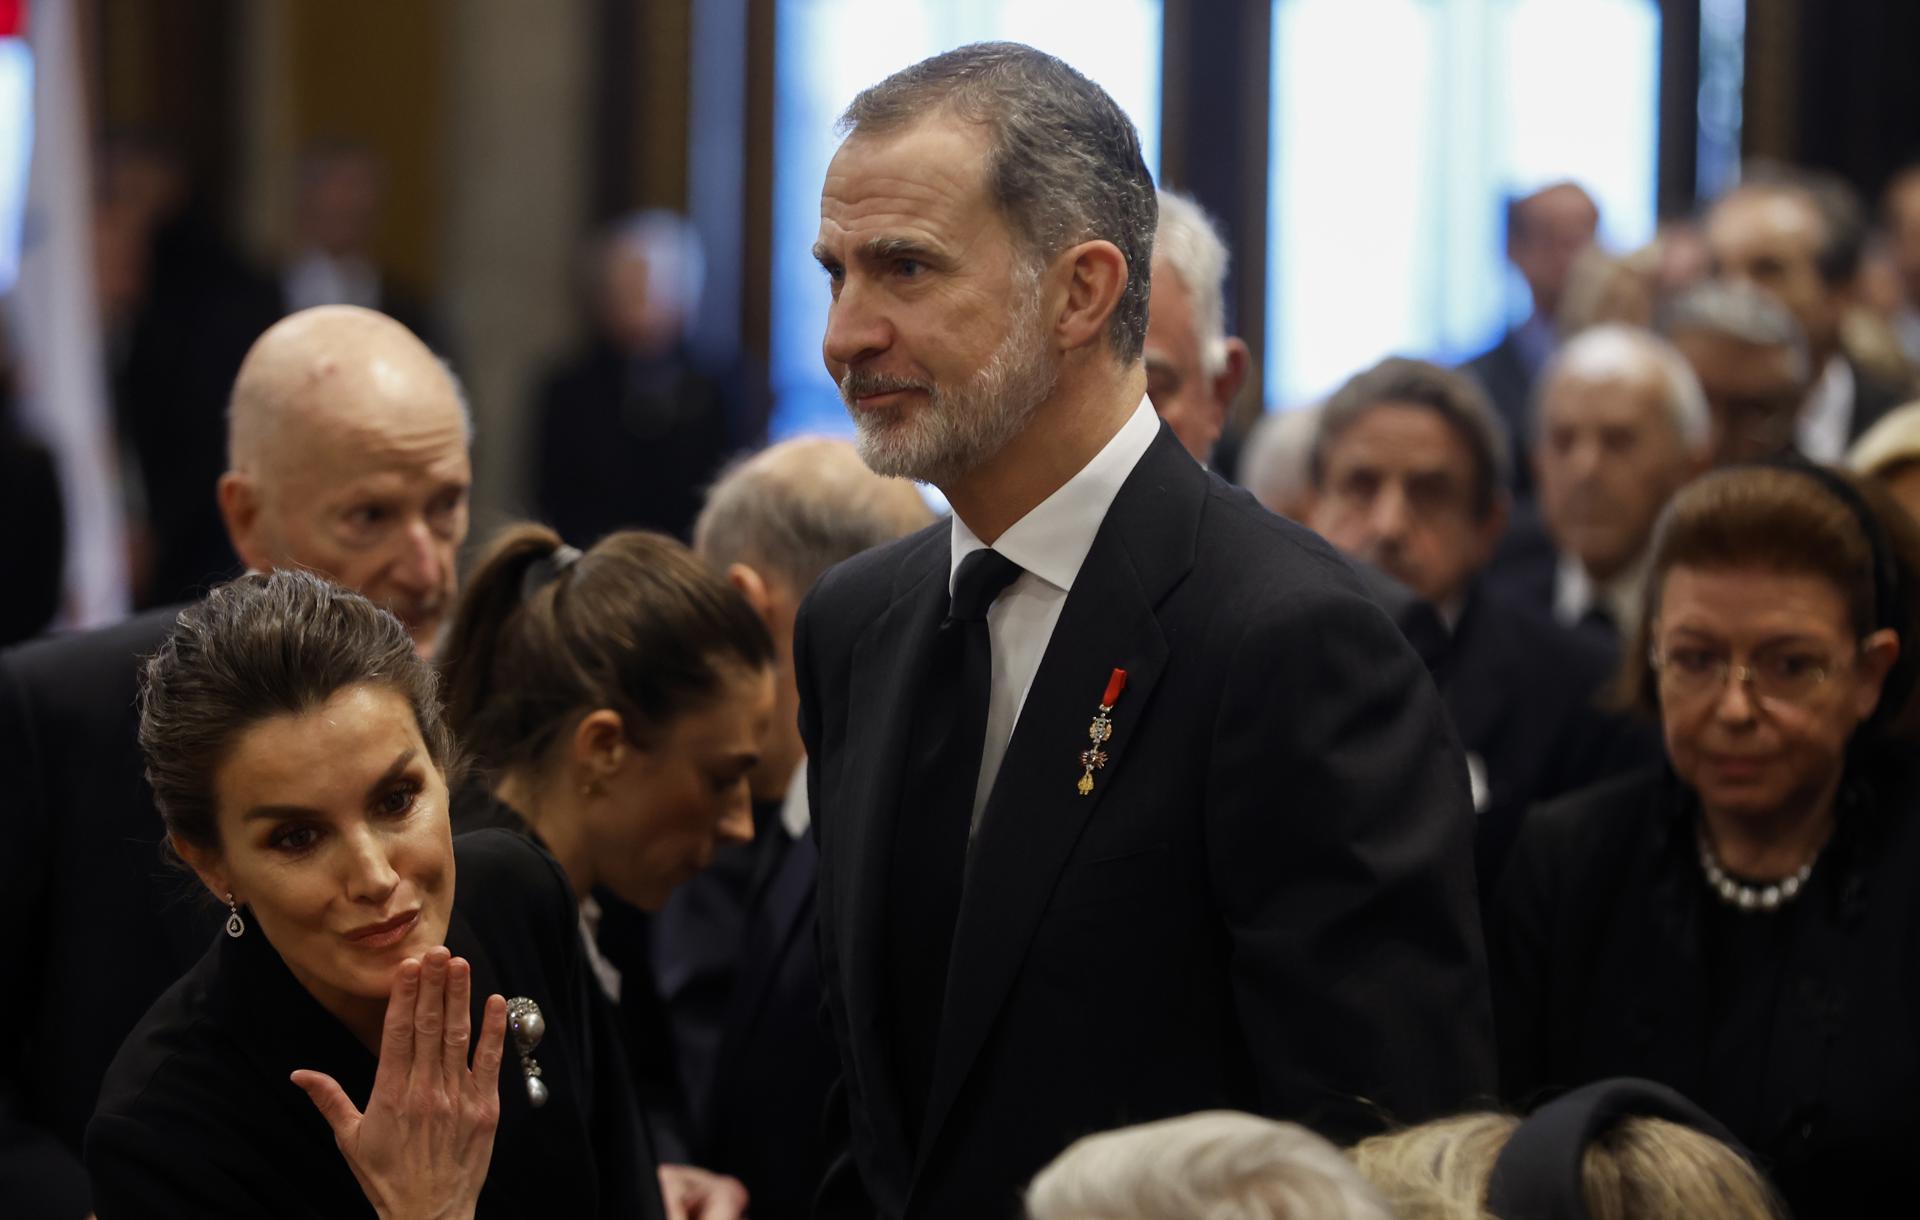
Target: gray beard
957	429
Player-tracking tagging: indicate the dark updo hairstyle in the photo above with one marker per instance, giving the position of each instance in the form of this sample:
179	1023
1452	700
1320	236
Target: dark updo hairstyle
258	647
544	634
1794	517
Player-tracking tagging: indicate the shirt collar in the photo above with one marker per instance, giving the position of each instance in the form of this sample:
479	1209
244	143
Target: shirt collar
1827	412
1053	539
1575	592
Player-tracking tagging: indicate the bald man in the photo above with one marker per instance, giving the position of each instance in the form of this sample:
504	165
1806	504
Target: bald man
348	454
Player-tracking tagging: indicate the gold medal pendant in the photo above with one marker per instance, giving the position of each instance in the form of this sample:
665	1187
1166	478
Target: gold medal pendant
1093	758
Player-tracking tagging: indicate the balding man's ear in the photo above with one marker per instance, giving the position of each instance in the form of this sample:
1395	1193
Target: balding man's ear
1096	279
1227	383
240	509
754	588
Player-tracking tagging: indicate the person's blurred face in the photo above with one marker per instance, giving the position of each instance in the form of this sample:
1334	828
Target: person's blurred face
1397	491
935	334
340	204
1903	230
631	312
672	802
1748	754
1607	458
782	749
1753	395
1177	379
1553	228
374	494
334	832
1771	240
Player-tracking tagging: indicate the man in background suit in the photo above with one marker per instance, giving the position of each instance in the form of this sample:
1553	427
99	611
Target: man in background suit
348	455
1129	801
1622	425
1194	367
1798	236
1546	231
1409	473
734	948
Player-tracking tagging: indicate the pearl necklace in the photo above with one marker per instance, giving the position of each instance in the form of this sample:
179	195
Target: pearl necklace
1752	897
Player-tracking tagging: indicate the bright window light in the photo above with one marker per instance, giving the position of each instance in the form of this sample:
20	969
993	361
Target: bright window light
16	150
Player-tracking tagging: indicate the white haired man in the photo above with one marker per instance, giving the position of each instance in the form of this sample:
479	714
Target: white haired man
1620	425
1194	367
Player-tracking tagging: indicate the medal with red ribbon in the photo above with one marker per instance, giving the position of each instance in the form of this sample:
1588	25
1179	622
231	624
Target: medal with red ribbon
1094	758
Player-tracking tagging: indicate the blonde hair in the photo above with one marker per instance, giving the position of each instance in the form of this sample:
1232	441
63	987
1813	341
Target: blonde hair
1642	1168
1219	1164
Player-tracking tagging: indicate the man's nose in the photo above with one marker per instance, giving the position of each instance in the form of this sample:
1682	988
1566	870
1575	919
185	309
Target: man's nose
856	328
420	567
1389	516
736	826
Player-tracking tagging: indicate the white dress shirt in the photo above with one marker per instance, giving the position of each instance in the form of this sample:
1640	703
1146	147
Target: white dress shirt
1826	418
1575	592
1049	543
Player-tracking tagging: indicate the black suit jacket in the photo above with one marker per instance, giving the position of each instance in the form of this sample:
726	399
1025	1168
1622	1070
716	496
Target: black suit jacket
1605	964
1524	694
1265	904
98	925
198	1116
1873	397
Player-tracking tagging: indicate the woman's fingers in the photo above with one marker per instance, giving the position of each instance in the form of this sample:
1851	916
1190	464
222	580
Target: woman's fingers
491	1048
459	1020
396	1034
429	1020
332	1102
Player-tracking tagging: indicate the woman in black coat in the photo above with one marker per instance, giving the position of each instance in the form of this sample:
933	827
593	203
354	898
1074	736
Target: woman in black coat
1743	923
316	1061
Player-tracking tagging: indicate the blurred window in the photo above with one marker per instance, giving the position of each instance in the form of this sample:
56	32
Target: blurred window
16	146
1399	128
827	51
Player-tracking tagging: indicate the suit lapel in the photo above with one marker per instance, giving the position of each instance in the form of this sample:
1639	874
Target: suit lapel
1035	813
889	662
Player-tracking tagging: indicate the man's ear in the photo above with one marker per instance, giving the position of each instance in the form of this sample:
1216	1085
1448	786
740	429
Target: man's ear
753	587
1096	279
208	865
240	509
1229	381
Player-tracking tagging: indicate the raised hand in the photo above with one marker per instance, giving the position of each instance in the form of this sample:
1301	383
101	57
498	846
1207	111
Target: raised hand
696	1194
420	1151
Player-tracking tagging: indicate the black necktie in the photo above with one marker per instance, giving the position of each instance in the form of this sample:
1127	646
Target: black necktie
935	815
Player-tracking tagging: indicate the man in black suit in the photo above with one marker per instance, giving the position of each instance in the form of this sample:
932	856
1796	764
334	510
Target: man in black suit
1546	231
1621	425
1129	801
1409	473
1797	235
348	455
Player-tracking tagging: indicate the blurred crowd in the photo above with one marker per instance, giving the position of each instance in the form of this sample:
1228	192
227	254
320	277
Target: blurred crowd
1656	549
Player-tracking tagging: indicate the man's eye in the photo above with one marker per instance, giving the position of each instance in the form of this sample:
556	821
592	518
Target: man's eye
367	516
908	267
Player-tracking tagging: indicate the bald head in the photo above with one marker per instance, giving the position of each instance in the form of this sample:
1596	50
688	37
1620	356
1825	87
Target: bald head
347	453
773	523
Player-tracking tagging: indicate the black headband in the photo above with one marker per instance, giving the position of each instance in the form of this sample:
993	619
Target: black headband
547	569
1537	1175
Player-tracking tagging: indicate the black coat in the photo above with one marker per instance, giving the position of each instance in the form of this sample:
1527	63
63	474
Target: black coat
1800	1030
1265	904
1504	373
1524	694
198	1117
98	925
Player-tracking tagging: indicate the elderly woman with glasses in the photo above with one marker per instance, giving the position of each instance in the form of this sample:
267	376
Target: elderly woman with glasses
1743	924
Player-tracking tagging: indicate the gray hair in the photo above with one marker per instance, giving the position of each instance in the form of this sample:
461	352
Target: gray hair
1220	1164
1276	464
671	248
1614	351
1453	396
800	507
1194	249
1741	312
1064	164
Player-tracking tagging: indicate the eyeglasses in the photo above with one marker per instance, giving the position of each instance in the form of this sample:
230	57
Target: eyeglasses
1788	676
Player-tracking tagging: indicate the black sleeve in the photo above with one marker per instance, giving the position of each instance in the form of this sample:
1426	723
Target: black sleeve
1340	842
1519	949
38	1172
842	1195
136	1174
